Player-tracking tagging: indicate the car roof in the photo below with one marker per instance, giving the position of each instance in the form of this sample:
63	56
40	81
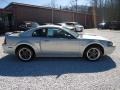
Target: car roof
52	26
27	33
71	22
67	22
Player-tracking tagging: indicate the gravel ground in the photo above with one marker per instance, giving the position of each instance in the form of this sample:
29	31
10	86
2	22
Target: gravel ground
63	73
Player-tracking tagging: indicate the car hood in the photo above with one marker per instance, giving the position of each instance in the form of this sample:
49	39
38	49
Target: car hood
94	37
69	27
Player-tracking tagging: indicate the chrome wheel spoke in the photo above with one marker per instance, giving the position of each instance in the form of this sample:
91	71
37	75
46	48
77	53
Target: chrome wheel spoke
25	54
93	54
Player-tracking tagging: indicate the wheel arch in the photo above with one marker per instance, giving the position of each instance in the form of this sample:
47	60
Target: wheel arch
94	45
24	45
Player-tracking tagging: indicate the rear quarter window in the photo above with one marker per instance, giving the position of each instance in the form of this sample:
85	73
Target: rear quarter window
40	33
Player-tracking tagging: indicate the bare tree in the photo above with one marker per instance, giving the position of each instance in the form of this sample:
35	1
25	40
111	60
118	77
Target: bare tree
109	10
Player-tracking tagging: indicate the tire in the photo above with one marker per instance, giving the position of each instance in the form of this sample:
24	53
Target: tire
25	53
93	53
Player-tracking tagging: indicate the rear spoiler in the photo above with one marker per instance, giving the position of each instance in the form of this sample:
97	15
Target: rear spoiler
9	33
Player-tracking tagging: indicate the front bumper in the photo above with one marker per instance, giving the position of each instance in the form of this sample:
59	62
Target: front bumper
109	50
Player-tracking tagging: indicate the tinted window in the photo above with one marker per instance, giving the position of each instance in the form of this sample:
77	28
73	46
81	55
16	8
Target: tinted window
71	24
40	33
58	33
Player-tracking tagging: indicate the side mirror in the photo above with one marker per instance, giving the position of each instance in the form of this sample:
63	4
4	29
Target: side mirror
69	36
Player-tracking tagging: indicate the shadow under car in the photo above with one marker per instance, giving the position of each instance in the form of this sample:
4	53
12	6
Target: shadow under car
11	66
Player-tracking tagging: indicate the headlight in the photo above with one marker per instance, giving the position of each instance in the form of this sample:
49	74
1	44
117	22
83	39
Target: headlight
109	43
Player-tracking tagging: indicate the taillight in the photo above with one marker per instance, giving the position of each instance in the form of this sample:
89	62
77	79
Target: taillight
5	41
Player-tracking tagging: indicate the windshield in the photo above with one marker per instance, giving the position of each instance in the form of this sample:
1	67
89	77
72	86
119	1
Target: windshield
72	24
34	24
75	34
76	23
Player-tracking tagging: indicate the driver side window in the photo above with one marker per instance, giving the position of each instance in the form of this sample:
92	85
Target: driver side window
58	33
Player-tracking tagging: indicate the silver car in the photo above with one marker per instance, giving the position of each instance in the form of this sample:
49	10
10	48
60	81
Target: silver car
56	41
74	26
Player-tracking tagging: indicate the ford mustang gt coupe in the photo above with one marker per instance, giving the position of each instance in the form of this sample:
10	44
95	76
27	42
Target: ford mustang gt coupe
56	41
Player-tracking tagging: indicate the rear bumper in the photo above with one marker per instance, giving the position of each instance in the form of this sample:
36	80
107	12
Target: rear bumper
79	29
109	50
8	49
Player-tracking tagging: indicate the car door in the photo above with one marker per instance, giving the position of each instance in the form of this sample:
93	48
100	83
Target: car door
59	43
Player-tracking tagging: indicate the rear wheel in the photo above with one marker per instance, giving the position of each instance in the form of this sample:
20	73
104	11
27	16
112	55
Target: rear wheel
93	53
25	53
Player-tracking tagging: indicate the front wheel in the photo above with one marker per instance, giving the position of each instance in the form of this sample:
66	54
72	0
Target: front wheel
93	53
24	53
